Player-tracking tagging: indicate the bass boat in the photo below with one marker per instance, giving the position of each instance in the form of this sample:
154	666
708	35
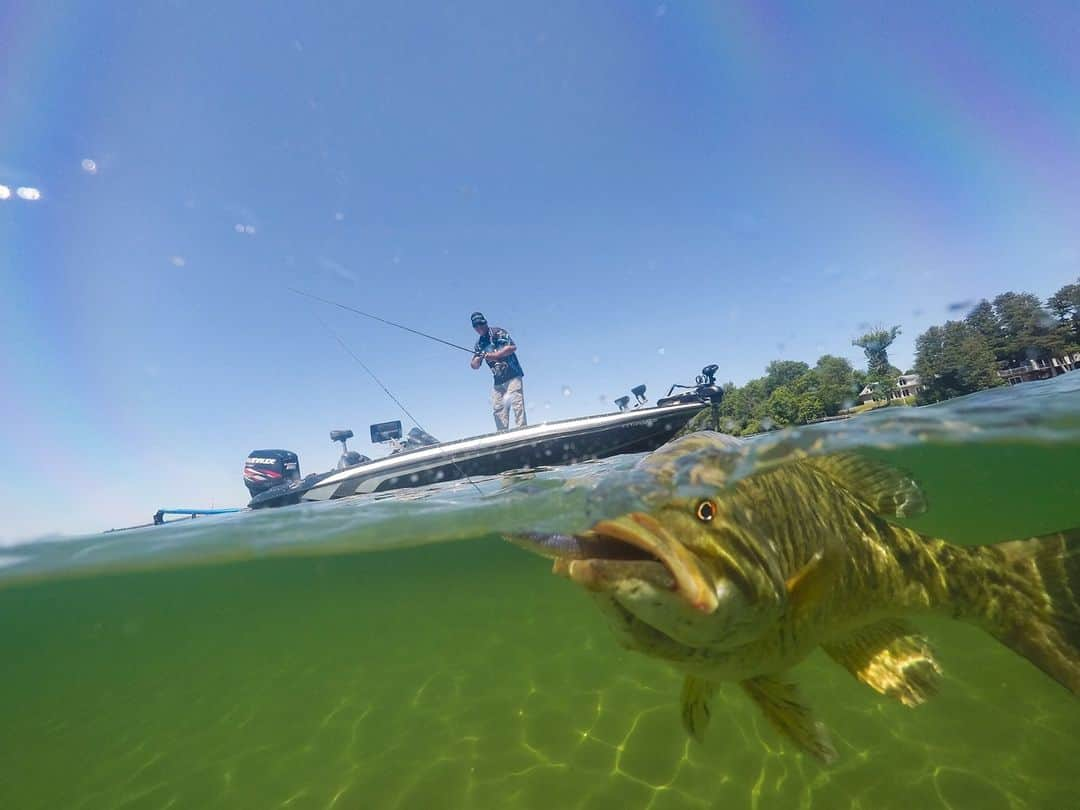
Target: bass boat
273	476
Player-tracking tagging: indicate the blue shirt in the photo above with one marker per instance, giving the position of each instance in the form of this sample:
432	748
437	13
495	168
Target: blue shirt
503	370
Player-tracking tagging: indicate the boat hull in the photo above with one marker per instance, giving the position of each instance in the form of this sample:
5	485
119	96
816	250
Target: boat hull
553	444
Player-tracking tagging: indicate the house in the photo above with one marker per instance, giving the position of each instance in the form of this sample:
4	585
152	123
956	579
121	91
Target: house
907	385
1029	370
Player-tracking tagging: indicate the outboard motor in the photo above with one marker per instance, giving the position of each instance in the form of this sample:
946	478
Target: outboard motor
264	469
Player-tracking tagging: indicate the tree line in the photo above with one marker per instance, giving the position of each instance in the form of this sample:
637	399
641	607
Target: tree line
963	356
956	358
790	393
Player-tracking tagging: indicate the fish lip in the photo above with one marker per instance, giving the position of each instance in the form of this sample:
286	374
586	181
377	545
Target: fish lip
644	532
612	539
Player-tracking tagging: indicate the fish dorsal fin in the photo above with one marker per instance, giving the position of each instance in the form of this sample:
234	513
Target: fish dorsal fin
891	658
784	709
812	581
886	490
694	706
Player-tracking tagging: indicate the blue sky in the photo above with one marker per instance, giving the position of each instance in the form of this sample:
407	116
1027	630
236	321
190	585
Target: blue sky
632	189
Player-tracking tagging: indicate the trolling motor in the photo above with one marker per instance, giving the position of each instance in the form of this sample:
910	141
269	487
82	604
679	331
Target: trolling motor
703	390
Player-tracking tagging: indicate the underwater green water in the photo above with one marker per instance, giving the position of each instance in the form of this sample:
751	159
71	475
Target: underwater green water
398	654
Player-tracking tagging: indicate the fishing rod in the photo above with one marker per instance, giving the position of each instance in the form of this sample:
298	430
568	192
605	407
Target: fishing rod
380	320
390	394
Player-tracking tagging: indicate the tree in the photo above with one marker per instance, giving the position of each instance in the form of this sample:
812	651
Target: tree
1065	307
985	321
783	372
953	360
783	407
791	393
810	408
837	386
875	345
1027	328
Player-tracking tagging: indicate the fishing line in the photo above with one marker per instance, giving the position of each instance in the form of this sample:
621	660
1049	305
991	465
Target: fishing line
390	394
380	320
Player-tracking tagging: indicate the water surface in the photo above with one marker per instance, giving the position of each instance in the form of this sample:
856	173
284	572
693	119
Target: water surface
393	652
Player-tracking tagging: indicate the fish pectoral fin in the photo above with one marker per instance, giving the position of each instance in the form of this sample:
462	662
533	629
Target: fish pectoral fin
785	711
886	490
807	585
694	706
891	658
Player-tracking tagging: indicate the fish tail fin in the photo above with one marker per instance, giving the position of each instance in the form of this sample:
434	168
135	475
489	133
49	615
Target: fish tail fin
1031	602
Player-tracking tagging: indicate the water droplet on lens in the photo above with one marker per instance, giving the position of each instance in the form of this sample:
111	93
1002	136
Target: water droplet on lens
566	391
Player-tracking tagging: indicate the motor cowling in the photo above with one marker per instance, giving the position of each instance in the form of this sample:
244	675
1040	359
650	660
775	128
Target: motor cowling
264	469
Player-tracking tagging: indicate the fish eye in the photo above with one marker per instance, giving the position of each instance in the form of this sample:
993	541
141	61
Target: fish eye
706	511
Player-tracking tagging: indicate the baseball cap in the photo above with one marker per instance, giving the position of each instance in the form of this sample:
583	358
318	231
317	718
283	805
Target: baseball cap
478	318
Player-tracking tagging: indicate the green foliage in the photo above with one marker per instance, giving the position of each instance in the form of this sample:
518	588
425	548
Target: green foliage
810	408
783	407
875	345
963	356
790	393
957	358
1065	307
780	373
953	360
1027	329
984	320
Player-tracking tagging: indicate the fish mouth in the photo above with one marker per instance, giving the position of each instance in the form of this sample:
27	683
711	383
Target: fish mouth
633	546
